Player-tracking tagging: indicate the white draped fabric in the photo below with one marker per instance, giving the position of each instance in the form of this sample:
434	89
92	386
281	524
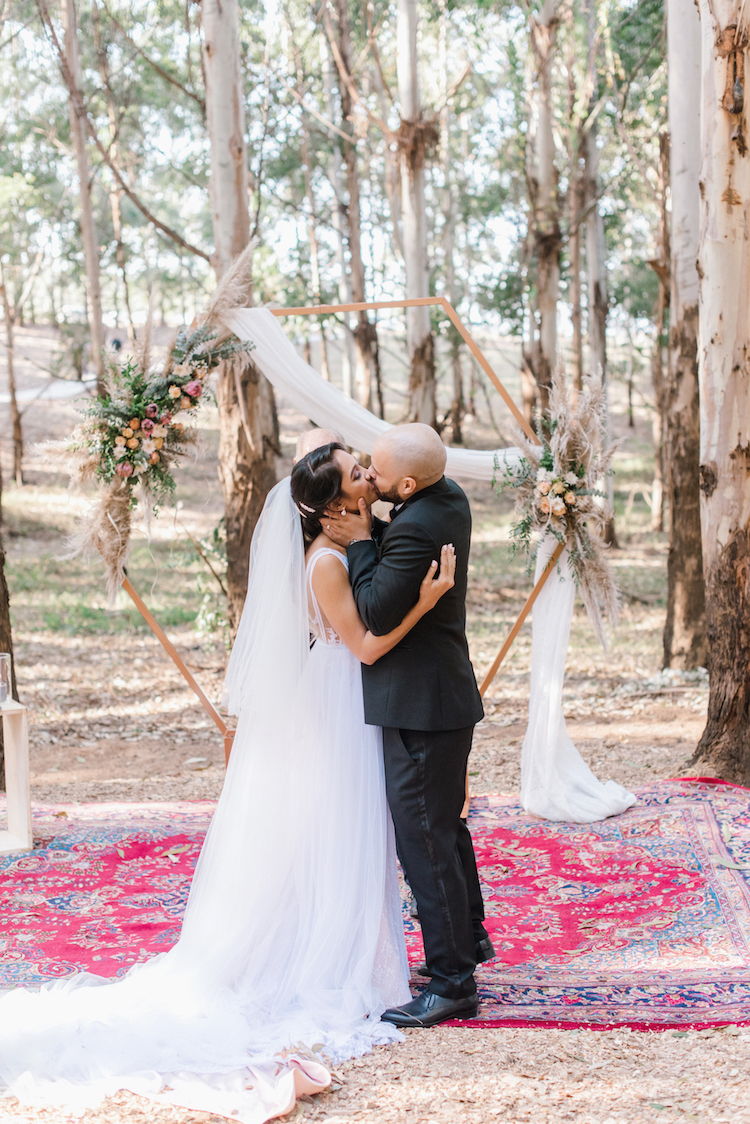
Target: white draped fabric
556	783
292	932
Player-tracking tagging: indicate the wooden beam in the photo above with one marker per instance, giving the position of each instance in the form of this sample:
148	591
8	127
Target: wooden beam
414	302
176	658
522	617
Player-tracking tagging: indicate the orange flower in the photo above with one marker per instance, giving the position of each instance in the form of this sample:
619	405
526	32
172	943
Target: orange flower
119	440
186	403
133	443
135	423
154	458
158	441
175	392
127	431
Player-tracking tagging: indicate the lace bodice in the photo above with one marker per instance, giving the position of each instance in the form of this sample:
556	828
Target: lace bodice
319	627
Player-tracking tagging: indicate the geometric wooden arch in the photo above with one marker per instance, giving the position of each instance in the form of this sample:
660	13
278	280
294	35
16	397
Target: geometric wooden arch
414	302
319	310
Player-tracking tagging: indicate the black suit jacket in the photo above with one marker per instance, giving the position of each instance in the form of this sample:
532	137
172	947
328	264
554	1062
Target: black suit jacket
426	682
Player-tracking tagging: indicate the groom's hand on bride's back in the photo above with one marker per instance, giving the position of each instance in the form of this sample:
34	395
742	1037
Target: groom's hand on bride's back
345	527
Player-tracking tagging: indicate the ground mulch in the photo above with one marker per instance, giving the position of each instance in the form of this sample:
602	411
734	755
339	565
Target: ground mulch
111	720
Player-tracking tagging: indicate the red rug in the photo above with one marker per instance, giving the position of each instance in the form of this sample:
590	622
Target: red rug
640	920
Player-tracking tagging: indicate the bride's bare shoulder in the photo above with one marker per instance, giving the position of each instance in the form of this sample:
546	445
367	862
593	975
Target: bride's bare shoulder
328	567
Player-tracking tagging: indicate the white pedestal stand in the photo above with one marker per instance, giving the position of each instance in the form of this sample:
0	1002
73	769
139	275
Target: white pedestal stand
19	836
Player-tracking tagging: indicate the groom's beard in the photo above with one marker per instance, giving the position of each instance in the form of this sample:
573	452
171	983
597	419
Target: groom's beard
391	496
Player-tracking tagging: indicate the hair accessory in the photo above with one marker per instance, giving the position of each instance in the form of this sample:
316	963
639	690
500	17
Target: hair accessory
310	510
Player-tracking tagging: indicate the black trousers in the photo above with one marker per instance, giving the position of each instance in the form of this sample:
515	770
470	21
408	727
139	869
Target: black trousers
425	775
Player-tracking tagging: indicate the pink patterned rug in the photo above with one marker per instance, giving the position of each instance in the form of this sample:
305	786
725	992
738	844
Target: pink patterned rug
640	920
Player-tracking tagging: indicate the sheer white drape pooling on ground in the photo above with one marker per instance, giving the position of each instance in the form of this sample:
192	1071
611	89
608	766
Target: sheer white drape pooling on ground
556	783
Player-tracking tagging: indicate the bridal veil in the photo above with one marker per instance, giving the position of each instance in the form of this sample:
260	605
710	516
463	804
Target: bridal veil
261	965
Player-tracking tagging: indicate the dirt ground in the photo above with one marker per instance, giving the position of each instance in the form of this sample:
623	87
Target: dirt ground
111	719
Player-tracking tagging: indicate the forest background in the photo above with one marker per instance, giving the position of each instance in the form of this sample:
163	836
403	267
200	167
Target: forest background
546	167
513	159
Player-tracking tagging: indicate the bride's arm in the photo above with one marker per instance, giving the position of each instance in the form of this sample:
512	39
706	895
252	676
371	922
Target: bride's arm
334	595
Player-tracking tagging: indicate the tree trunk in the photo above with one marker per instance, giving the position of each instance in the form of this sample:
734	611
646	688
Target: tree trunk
6	635
574	284
338	213
115	194
448	206
88	229
9	315
544	220
415	136
685	644
312	235
724	313
575	215
367	364
662	266
248	438
596	256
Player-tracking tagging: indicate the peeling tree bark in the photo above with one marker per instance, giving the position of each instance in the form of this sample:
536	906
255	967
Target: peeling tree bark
724	375
685	644
415	137
247	468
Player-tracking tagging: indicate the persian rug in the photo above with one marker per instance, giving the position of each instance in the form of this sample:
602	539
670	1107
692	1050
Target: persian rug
641	920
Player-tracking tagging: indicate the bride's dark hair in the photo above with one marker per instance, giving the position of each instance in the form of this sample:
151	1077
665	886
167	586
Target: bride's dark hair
316	483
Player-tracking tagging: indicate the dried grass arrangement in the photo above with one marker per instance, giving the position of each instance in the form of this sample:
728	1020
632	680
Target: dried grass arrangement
558	492
132	437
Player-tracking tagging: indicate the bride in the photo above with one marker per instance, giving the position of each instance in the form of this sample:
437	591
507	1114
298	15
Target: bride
292	943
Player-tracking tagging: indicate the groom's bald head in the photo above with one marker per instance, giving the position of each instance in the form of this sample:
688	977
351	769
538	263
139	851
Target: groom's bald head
405	460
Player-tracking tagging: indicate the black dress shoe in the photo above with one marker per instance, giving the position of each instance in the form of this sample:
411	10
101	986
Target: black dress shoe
429	1009
484	952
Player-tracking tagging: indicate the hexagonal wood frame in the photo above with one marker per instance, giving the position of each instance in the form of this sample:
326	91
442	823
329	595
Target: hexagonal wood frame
321	310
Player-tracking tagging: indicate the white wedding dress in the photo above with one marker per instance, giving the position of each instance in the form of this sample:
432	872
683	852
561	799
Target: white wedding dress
292	937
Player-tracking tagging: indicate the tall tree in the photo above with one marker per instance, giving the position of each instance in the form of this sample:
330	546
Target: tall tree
545	238
248	439
366	371
416	136
448	205
88	230
724	314
661	265
685	644
10	313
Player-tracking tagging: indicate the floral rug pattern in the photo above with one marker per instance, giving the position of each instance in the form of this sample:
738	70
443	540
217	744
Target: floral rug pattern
640	920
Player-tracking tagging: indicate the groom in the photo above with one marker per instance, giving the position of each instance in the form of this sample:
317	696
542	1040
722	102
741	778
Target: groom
424	695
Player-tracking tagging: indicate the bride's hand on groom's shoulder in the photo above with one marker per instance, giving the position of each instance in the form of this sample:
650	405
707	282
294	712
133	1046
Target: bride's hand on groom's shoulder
433	588
345	527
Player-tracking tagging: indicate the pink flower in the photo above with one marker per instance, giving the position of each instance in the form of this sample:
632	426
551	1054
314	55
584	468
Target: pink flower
147	425
194	388
124	468
152	410
165	419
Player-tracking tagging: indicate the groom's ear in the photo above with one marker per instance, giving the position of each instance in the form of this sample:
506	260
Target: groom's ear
407	487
